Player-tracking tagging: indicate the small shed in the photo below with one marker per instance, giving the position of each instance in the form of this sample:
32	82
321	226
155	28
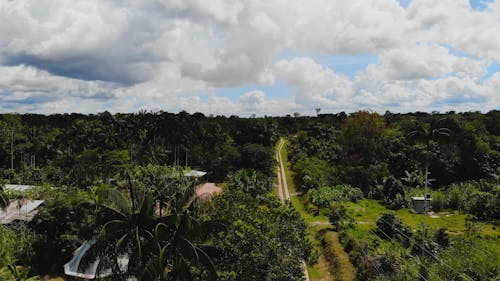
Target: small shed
421	205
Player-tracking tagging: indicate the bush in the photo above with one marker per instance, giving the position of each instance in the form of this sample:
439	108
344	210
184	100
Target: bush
337	215
324	196
389	227
442	238
6	246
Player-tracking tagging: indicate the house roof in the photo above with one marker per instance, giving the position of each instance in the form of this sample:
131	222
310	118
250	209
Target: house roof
18	187
195	173
72	268
420	198
207	190
23	210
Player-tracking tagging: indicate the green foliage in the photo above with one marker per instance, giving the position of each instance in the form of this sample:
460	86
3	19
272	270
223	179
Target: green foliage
264	241
7	244
251	182
155	225
65	221
257	157
313	173
324	196
20	274
390	227
4	200
475	259
442	238
337	215
393	193
481	199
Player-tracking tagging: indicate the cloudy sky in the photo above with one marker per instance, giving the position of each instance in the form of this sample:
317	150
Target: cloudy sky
241	57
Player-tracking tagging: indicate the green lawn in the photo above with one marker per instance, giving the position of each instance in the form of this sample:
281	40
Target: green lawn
366	212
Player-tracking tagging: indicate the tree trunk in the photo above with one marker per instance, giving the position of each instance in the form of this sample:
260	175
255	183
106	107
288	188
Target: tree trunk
12	149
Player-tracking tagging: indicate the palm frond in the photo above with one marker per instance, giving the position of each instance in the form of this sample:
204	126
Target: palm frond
207	263
116	201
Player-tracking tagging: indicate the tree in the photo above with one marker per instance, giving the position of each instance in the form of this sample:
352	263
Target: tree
12	130
159	247
66	220
181	255
250	181
427	134
4	200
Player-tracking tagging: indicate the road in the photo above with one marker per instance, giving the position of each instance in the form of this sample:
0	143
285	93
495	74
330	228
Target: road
283	192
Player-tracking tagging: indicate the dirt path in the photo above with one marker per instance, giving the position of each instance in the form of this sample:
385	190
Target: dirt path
333	254
283	190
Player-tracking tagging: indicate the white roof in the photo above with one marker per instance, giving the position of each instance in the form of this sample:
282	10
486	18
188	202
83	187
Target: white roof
72	267
18	187
420	198
24	210
195	173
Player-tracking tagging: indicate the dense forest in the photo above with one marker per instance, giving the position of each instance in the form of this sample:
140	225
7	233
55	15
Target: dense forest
104	177
75	149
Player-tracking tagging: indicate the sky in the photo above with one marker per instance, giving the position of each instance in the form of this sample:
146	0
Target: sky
245	57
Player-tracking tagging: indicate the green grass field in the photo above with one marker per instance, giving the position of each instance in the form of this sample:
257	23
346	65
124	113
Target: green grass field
366	212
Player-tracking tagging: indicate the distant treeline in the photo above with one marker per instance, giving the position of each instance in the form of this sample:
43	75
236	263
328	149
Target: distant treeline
359	148
364	149
77	149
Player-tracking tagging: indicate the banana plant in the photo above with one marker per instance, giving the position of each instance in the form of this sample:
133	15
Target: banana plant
21	274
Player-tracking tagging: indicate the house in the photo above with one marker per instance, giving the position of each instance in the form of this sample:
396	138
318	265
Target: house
20	210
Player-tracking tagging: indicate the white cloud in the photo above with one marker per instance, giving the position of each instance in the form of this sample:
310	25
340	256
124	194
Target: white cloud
315	85
92	55
424	61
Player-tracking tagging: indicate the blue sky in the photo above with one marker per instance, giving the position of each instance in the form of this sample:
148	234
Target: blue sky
242	57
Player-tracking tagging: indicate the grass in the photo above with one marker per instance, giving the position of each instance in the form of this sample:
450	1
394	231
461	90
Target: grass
367	211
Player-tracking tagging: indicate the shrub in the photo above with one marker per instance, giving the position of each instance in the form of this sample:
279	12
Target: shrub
337	215
390	227
442	238
323	196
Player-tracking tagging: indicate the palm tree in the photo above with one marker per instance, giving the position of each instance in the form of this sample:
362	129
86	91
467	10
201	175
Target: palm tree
181	255
165	246
426	135
128	234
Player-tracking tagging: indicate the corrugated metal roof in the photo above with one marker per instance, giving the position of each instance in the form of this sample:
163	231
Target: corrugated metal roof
18	187
195	173
23	210
72	268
